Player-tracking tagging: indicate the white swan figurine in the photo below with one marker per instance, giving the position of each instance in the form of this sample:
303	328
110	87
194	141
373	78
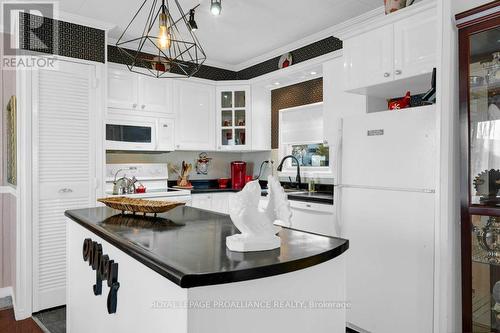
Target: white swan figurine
258	232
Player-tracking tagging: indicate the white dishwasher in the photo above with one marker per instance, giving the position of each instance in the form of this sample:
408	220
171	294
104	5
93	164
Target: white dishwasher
311	217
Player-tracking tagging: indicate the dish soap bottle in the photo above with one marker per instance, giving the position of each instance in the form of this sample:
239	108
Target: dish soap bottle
311	186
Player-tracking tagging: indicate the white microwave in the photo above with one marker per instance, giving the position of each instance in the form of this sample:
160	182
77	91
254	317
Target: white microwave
143	134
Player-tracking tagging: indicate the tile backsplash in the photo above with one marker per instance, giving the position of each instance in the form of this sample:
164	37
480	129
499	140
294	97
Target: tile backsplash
219	165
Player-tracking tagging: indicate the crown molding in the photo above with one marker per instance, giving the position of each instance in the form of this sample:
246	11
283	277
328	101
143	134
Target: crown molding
382	19
331	31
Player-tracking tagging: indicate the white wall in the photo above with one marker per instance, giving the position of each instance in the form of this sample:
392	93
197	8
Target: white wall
447	305
7	201
7	240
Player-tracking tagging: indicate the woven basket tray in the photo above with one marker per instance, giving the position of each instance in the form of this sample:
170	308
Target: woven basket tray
140	205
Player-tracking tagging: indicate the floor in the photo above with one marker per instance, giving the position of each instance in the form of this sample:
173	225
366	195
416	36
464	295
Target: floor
9	324
53	320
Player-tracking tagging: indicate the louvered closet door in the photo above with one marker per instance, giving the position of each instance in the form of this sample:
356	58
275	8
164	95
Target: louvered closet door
64	165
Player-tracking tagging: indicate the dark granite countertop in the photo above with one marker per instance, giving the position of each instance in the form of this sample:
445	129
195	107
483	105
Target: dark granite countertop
318	197
195	190
187	245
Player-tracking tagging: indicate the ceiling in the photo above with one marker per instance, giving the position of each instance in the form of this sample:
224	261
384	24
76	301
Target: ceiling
245	29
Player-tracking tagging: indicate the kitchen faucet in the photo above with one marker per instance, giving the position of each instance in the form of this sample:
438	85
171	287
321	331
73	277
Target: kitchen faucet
297	178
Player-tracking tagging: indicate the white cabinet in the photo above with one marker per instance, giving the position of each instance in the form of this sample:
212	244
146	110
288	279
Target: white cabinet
216	202
314	217
202	201
310	217
414	47
166	135
155	95
123	90
400	50
137	92
369	58
194	105
233	118
261	118
220	202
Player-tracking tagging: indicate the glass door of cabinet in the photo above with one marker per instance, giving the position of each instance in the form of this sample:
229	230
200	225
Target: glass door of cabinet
485	269
479	51
233	115
484	117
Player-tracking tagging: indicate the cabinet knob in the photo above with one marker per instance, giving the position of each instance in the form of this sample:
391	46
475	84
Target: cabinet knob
177	146
65	190
143	106
398	72
134	105
387	74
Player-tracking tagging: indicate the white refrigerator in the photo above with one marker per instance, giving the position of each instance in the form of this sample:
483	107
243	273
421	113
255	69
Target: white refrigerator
385	191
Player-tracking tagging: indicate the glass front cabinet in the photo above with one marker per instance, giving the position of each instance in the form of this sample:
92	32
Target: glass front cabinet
479	70
233	118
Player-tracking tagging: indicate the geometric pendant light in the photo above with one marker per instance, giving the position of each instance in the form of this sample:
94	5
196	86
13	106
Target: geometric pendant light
167	44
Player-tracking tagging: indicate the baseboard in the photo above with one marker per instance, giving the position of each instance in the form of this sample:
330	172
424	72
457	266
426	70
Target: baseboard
18	314
6	291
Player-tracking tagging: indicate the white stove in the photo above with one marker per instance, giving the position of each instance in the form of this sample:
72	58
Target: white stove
153	176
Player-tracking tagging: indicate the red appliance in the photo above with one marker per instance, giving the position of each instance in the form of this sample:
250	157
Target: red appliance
238	173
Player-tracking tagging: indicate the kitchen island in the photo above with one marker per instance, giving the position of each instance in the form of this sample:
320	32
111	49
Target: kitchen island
131	273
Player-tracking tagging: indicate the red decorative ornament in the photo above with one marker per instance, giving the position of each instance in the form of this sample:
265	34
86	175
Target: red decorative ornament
400	103
286	60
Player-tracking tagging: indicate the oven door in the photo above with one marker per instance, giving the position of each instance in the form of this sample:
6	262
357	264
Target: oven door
130	134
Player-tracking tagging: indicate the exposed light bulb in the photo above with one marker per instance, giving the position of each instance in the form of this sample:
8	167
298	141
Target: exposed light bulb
164	37
215	7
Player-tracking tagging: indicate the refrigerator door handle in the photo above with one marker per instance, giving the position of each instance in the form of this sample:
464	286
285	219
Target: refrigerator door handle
383	188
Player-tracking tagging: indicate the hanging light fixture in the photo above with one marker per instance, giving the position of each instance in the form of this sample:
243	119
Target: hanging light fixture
215	7
167	44
192	22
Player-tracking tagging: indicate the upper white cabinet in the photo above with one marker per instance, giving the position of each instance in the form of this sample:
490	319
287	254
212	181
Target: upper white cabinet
233	118
122	89
136	92
369	58
194	105
414	45
404	49
155	94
